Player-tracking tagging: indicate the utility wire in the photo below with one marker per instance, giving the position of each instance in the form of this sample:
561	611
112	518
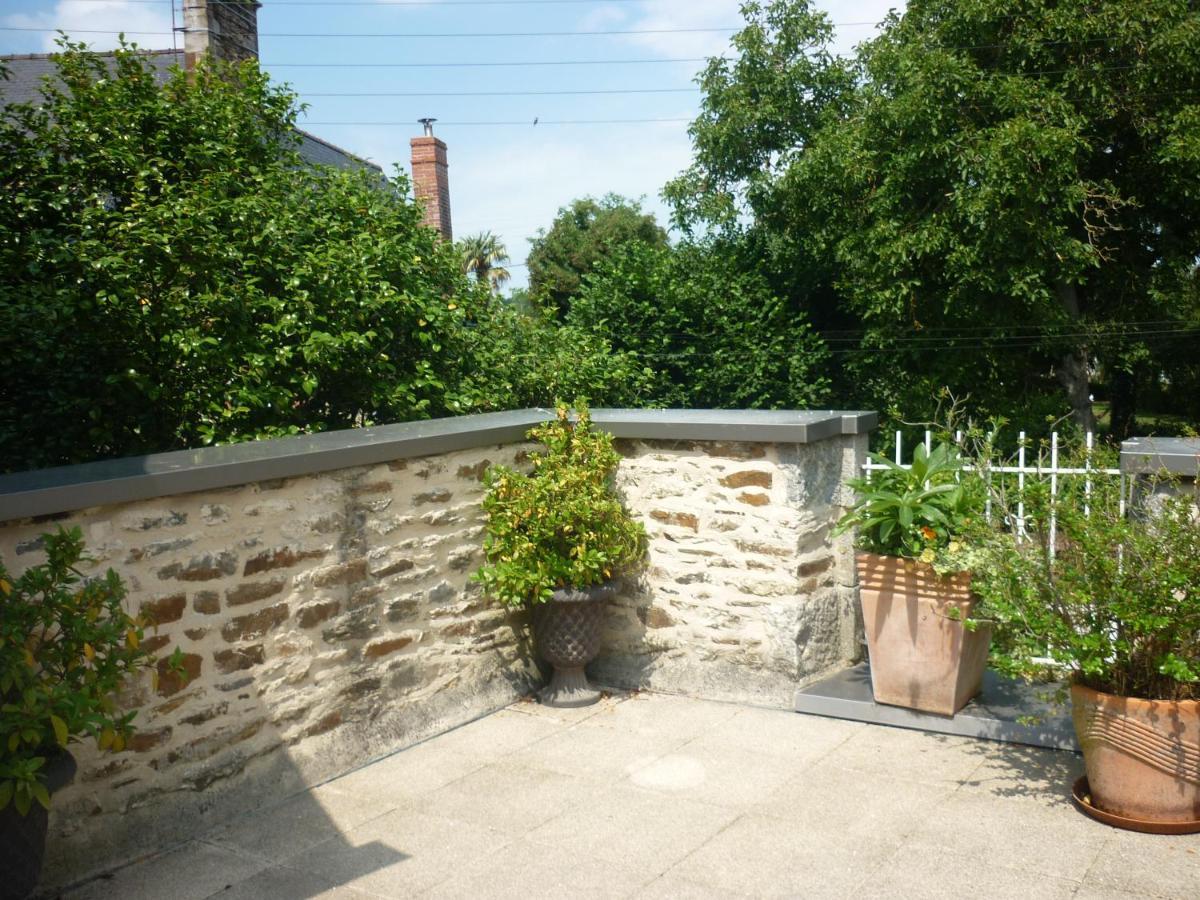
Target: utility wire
672	90
528	122
402	35
453	65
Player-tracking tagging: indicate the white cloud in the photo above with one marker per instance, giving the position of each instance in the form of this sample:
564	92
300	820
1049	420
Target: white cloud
148	25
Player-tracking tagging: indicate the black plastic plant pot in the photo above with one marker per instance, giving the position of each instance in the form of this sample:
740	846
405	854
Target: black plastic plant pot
23	837
567	629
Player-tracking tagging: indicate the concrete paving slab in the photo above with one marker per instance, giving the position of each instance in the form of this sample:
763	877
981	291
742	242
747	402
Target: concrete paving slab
634	827
534	870
768	857
936	875
910	755
283	883
1014	771
663	713
673	886
192	871
1033	838
1153	864
409	774
499	734
400	854
298	823
738	779
828	800
507	796
588	750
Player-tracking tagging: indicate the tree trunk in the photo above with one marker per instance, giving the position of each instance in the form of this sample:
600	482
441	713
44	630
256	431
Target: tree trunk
1122	402
1073	368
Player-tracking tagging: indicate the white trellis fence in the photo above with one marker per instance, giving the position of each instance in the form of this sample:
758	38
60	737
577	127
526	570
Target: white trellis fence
1039	468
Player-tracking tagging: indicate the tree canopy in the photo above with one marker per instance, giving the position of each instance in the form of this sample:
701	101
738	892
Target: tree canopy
1001	192
582	234
173	274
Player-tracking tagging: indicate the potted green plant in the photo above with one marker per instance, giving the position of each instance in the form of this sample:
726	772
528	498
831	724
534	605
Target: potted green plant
1116	606
556	540
66	647
914	581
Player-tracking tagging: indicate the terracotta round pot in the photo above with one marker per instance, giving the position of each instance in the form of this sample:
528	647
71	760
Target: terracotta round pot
1142	756
567	629
23	837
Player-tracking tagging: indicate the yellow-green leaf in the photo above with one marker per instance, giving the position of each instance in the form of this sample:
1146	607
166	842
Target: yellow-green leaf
60	730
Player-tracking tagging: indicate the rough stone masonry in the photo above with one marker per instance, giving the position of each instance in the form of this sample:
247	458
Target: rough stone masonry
327	619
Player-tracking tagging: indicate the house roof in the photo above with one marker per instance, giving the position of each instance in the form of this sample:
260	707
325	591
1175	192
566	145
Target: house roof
27	73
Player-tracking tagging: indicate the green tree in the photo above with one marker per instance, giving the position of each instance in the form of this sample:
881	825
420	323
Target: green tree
1002	191
713	334
174	275
582	235
484	256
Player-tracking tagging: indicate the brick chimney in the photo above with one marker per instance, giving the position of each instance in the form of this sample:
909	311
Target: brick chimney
228	29
431	182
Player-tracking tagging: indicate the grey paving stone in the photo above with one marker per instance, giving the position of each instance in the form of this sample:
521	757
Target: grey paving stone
1013	771
828	799
782	733
528	870
664	713
499	734
508	796
768	857
310	818
1149	864
911	755
191	872
1055	841
411	773
283	883
400	854
673	886
720	775
592	751
925	872
634	827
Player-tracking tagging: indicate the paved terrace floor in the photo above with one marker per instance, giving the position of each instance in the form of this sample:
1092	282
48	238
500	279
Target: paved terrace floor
654	796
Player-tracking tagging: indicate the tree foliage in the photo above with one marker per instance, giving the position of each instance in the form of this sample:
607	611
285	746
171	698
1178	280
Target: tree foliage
581	236
484	256
713	334
1002	192
173	274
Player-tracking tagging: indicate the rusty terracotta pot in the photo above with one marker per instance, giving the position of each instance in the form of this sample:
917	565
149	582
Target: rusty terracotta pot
1142	756
922	657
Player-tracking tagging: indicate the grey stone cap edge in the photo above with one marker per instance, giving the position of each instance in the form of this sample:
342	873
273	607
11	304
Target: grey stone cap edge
1149	455
49	491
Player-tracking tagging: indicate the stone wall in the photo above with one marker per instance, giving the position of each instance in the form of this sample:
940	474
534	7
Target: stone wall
327	619
324	620
746	595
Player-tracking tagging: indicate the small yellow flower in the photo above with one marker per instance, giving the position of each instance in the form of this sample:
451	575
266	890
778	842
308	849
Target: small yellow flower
955	546
927	555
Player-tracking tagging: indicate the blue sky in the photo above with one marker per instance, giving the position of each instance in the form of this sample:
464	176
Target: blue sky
509	179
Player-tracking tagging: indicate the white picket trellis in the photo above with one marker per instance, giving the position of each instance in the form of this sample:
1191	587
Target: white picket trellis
1023	470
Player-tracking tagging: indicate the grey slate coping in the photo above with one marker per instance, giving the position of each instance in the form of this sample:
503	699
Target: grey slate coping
49	491
1152	455
1001	712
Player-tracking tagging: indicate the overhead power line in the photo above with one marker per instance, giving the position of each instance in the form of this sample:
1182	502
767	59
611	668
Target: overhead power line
670	90
528	122
453	65
402	34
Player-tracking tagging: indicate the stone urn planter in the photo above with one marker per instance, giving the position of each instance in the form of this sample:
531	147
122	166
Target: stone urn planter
23	837
567	631
1142	758
922	655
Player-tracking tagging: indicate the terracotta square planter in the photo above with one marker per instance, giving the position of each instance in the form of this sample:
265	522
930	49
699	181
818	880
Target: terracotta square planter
921	657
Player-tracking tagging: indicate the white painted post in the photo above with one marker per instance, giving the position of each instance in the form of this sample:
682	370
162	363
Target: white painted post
899	456
1053	491
1021	487
1087	484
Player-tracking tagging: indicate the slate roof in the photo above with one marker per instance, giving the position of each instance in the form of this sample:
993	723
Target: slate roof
27	71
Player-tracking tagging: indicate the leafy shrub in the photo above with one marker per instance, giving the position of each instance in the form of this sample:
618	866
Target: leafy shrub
563	525
922	512
172	273
1118	603
714	334
66	647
